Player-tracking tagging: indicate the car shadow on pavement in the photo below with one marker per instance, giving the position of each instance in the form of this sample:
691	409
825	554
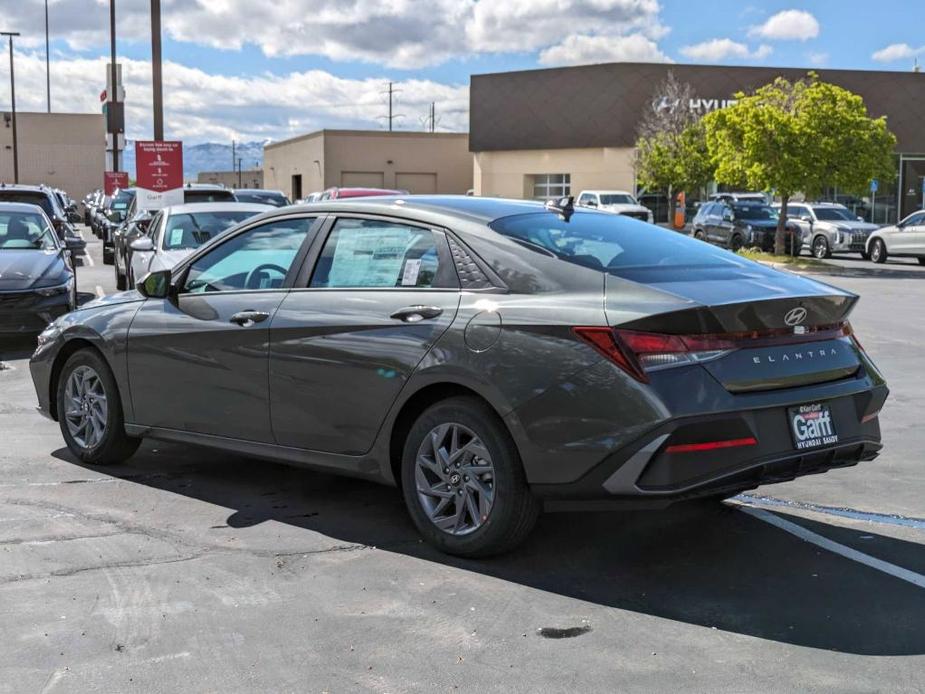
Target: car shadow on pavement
18	347
707	564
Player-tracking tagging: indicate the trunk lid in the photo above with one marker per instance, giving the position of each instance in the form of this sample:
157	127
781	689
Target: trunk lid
773	318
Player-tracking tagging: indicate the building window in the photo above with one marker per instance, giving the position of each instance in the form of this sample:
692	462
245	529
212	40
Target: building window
548	186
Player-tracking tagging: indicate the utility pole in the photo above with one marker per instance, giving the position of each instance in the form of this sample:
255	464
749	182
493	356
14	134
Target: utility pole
114	97
11	34
156	69
433	117
234	156
47	61
391	91
239	173
390	107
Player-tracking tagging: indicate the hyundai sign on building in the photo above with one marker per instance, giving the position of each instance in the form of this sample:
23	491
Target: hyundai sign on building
559	131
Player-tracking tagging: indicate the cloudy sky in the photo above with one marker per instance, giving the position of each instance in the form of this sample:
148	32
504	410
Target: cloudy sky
269	69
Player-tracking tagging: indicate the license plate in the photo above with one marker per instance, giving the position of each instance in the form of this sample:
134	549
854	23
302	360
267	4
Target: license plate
812	426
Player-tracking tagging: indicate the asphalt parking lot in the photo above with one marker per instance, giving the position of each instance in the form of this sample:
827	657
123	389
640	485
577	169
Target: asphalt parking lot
192	570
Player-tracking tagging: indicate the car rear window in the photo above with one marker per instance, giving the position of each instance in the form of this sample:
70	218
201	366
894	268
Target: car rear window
611	243
40	199
208	196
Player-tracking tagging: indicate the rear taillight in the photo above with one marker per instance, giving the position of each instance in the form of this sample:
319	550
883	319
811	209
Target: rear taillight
637	352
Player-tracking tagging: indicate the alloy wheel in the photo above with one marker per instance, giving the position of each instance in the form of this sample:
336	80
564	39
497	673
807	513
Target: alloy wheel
86	407
454	476
820	247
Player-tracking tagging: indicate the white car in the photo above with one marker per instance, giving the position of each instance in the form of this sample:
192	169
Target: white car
903	240
175	232
617	201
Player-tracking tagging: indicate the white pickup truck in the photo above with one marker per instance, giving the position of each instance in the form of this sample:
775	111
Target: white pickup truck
616	201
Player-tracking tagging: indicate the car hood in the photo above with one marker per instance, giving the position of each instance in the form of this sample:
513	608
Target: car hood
851	226
26	269
622	209
128	297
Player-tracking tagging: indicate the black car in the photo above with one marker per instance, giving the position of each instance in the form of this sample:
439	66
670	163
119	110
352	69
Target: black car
114	214
46	199
491	357
736	225
123	236
262	197
37	281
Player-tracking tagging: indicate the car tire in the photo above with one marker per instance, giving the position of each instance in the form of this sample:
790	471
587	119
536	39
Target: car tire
865	255
506	508
90	411
120	278
736	242
820	248
878	251
699	235
921	260
108	256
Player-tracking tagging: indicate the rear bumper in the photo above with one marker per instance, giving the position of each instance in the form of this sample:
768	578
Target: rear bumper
645	474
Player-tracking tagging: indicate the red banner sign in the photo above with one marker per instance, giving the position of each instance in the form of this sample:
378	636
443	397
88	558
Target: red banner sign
159	165
113	180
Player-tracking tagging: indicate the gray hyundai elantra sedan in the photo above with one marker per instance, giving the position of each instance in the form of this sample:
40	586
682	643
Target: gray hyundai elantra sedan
492	358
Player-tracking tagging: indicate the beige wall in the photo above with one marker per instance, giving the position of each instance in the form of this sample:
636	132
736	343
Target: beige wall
302	156
62	150
250	178
418	162
508	174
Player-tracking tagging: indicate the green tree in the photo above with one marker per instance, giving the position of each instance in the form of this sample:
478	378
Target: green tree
671	148
799	137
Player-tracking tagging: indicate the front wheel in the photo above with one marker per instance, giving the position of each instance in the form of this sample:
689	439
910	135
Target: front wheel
736	243
90	411
699	235
878	251
821	248
921	260
463	481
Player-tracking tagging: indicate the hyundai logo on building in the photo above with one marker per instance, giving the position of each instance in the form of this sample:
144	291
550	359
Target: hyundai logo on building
664	103
795	316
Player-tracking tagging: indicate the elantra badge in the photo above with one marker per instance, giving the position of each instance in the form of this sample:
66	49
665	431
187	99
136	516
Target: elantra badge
795	316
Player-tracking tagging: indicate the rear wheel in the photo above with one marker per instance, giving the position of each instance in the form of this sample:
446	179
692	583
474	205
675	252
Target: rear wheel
463	480
878	251
821	248
699	235
921	261
90	411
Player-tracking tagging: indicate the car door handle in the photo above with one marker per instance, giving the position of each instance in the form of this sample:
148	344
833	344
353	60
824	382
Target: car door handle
415	314
249	317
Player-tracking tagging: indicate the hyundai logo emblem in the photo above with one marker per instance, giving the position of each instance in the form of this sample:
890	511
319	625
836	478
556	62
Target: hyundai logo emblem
795	316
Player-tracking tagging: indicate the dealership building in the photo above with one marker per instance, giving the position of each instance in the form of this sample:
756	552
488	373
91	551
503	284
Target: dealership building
543	133
419	162
62	150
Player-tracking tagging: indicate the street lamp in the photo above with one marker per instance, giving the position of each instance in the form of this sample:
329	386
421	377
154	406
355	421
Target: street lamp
47	61
11	34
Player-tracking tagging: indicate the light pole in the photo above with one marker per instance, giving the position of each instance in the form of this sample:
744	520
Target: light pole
156	69
47	60
114	97
11	34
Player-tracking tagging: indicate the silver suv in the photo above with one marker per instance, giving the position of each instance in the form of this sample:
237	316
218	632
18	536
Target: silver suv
830	228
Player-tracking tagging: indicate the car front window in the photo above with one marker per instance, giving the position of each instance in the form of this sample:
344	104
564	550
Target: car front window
617	200
833	214
259	258
755	213
25	231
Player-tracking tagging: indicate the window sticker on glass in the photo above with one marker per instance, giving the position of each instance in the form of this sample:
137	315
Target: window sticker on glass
412	269
369	258
176	237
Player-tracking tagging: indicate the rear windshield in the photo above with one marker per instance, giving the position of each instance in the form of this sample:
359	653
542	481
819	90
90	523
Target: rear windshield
40	199
609	243
186	231
275	199
192	195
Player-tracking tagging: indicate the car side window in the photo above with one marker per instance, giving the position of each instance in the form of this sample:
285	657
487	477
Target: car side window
259	258
915	220
368	253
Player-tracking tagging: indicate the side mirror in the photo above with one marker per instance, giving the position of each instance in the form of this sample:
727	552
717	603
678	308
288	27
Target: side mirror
728	217
142	244
155	285
143	224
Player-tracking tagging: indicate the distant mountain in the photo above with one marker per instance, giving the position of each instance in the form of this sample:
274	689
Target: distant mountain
208	156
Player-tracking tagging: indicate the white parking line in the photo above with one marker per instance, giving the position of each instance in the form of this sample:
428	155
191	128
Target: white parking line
99	291
827	544
88	259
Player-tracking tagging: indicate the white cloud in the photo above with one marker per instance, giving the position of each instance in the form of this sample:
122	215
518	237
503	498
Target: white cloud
202	107
718	50
817	58
396	33
897	51
797	25
576	50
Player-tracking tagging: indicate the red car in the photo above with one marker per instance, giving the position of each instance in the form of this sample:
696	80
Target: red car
338	193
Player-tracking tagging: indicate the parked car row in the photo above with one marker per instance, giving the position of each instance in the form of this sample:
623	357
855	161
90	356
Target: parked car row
736	225
49	202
